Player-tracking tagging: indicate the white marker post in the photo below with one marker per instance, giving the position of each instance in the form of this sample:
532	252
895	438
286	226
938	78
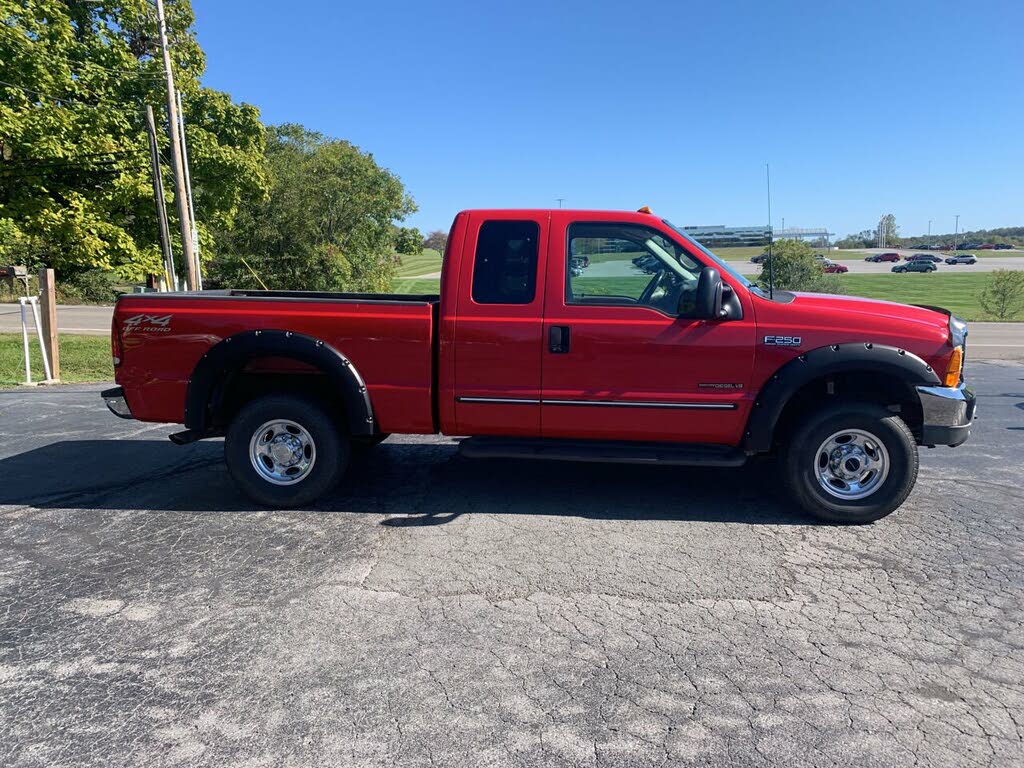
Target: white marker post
34	301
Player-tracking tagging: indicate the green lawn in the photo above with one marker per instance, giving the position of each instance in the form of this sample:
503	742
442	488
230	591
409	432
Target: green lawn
957	293
421	285
419	264
82	359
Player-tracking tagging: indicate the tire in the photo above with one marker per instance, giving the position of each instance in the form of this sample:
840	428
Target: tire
319	451
887	475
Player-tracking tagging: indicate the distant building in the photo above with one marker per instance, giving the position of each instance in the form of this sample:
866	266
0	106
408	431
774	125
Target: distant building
735	237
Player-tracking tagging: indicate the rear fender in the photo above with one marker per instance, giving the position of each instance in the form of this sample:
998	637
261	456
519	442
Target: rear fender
233	353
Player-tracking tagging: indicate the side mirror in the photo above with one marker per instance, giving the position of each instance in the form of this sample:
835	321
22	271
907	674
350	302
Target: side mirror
709	294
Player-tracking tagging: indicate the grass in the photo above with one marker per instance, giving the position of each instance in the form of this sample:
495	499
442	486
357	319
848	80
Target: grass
82	359
419	264
957	293
418	285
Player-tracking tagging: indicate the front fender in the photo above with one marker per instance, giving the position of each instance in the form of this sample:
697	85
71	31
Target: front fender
823	361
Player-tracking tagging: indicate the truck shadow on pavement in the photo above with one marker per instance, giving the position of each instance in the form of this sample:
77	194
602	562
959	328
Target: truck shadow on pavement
409	484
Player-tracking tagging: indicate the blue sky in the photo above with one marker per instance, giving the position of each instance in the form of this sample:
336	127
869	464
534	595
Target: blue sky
862	108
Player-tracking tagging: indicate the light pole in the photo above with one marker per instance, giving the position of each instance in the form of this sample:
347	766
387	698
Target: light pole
559	199
929	231
956	231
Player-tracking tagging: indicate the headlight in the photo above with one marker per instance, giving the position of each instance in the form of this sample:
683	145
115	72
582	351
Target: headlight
957	331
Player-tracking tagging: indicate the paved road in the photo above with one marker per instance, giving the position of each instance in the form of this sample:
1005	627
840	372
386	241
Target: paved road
437	611
858	266
1003	341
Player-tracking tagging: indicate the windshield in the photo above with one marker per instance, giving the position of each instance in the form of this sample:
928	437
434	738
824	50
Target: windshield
721	264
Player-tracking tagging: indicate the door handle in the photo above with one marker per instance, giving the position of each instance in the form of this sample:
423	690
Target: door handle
558	339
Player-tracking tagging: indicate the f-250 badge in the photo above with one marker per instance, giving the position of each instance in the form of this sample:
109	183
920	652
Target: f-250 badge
783	341
148	323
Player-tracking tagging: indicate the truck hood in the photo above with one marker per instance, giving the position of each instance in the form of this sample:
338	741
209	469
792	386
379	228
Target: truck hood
861	311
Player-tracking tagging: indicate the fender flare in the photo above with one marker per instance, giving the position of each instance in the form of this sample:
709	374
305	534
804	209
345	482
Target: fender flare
233	352
837	358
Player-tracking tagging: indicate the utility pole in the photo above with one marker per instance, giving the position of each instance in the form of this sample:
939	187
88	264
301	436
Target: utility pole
177	167
188	189
158	198
560	199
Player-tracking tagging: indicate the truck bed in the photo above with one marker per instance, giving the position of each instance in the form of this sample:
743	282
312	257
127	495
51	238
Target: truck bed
389	338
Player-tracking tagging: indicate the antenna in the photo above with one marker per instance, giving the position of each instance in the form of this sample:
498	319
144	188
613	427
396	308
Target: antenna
771	266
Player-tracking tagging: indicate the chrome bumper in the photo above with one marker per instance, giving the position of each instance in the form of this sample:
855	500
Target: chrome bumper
114	398
947	414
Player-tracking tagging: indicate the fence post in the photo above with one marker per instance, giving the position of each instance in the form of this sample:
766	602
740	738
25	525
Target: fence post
51	334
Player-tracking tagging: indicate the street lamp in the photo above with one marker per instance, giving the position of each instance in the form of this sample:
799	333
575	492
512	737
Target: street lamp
956	231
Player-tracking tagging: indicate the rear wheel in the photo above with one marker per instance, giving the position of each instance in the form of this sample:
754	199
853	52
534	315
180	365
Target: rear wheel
285	451
851	463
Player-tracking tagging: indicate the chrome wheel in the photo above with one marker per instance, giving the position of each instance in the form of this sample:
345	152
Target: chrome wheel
851	464
282	452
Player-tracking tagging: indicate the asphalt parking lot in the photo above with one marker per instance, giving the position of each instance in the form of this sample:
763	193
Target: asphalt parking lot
438	611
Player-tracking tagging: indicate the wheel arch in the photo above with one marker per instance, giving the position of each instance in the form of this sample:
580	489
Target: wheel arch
876	371
213	374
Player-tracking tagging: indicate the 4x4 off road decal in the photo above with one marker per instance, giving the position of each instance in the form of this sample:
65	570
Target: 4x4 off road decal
148	324
783	341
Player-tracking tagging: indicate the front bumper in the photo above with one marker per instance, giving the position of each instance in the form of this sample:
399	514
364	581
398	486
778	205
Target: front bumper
947	414
114	398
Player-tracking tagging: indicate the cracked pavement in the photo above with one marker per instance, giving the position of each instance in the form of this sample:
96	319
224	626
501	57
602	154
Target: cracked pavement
440	611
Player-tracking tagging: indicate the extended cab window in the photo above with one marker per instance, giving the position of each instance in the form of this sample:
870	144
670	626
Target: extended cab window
630	265
505	267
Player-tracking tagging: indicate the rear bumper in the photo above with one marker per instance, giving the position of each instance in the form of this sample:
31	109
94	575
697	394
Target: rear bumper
114	398
947	414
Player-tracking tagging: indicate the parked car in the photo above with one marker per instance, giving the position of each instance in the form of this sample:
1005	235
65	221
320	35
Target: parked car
1003	247
833	268
968	246
759	258
986	247
915	266
888	256
528	361
964	258
925	257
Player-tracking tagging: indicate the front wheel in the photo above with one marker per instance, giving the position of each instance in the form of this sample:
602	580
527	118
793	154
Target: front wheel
285	451
851	463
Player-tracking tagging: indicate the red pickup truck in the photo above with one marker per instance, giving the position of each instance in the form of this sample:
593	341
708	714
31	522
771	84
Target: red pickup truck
574	335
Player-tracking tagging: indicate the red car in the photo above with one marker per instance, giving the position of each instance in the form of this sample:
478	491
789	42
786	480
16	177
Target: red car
836	269
877	257
690	364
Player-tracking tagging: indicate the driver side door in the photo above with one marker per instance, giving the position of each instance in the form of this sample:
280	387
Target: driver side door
620	361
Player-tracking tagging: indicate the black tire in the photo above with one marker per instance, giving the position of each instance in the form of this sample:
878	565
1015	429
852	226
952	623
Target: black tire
329	448
800	462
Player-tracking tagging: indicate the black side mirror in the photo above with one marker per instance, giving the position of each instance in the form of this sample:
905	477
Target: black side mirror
709	294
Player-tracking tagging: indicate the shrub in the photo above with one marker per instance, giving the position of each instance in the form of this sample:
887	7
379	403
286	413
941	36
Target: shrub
1003	294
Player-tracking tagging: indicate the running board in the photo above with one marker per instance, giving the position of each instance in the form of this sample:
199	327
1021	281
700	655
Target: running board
605	451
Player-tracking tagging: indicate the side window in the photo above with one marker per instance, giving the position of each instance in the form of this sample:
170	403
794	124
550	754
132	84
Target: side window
505	266
630	265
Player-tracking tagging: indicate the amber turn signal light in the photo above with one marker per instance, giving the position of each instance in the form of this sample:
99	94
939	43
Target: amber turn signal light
956	365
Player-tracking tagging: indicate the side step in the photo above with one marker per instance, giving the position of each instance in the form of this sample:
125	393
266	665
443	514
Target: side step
605	451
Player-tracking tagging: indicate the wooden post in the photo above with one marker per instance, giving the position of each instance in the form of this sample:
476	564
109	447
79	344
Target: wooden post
158	198
48	312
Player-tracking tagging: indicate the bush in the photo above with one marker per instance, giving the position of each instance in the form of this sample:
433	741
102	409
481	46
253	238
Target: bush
96	286
794	268
1003	294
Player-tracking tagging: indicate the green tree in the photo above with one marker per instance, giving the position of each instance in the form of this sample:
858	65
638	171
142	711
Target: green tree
1003	294
794	268
408	240
327	224
437	240
74	166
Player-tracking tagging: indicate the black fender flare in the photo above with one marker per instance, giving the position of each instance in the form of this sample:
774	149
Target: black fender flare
233	352
813	364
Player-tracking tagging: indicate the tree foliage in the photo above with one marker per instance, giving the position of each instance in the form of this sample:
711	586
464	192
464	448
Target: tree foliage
327	224
74	168
408	240
1003	294
794	268
437	240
